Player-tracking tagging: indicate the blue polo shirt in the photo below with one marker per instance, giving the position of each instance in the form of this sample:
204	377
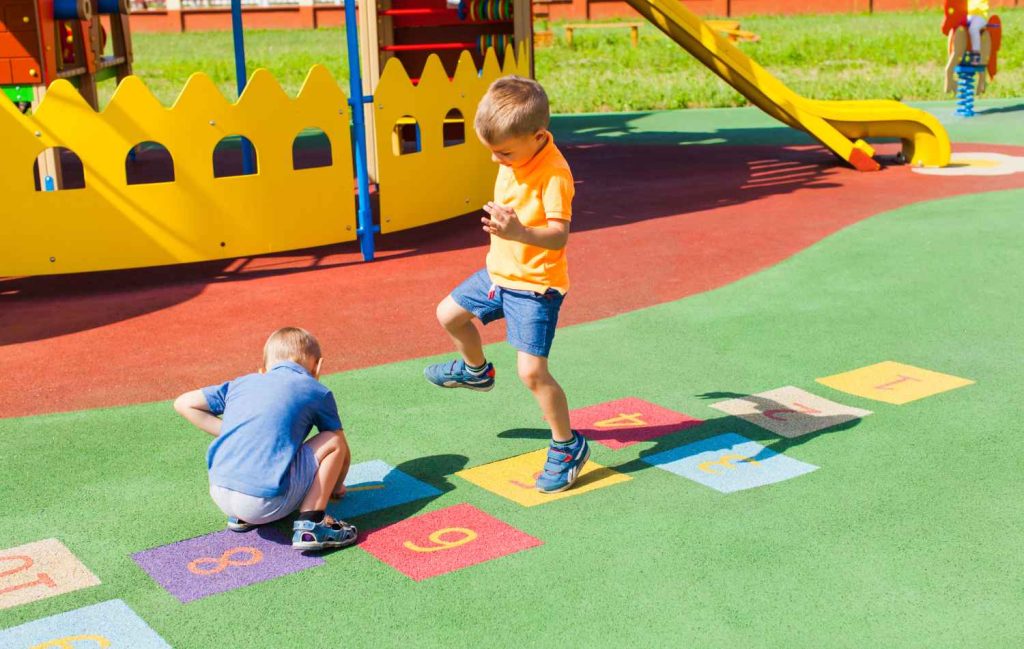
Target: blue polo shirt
266	418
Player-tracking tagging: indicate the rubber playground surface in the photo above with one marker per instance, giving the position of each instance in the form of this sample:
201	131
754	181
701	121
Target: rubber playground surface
801	382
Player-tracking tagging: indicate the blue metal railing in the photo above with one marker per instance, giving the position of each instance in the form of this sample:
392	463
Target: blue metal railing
357	100
365	227
241	77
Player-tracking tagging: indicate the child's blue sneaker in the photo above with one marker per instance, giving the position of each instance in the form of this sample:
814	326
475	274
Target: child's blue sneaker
453	374
328	533
236	524
563	465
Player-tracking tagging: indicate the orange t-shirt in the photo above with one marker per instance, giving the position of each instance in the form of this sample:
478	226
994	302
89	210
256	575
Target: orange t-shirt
539	190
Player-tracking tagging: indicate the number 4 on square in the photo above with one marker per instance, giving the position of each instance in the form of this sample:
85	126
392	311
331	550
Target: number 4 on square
620	423
622	420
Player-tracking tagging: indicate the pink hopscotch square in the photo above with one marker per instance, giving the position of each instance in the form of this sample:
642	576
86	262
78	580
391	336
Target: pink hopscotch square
621	423
444	541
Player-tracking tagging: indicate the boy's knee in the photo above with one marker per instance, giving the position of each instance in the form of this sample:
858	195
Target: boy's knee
329	444
442	314
339	443
532	376
450	314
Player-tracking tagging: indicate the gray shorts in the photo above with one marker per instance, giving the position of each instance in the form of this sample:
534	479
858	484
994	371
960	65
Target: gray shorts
258	510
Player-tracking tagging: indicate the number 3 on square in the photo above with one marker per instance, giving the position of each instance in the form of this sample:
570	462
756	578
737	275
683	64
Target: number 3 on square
439	541
71	642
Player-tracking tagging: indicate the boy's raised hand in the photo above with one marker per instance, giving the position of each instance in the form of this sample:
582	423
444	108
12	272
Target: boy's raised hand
503	222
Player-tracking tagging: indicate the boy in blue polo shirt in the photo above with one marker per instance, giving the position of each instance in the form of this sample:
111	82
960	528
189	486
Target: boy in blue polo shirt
261	468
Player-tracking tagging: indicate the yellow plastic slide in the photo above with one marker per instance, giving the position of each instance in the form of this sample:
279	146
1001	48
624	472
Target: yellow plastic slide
839	125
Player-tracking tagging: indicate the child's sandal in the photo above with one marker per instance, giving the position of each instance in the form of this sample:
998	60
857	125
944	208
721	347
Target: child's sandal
328	533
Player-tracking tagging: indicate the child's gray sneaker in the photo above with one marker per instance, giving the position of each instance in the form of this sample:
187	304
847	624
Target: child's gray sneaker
453	374
236	524
563	465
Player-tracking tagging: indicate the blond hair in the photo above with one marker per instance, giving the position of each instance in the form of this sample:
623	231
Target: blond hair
291	344
512	107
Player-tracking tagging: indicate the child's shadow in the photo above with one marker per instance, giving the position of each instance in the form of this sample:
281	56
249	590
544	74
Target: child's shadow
433	470
709	428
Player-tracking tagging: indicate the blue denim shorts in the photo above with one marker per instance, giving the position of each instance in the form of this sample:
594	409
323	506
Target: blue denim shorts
531	317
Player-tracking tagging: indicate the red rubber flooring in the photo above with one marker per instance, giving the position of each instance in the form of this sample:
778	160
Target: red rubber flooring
652	224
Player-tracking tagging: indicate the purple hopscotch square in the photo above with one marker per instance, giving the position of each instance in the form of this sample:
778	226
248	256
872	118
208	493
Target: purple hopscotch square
222	561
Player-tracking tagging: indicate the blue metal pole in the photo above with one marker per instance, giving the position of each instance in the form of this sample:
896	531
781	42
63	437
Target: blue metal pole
241	76
356	100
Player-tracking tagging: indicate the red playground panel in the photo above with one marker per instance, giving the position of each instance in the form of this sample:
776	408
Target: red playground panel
444	541
623	422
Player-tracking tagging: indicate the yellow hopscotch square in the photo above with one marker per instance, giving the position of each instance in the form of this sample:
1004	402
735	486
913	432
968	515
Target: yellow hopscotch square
39	570
893	382
514	478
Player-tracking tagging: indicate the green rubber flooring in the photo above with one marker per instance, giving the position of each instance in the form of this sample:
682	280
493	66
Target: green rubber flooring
906	535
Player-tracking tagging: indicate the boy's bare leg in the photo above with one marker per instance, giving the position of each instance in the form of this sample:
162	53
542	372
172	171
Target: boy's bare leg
331	451
459	324
533	371
339	486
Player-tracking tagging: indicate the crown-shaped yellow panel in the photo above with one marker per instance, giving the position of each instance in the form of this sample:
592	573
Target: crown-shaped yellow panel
110	224
426	173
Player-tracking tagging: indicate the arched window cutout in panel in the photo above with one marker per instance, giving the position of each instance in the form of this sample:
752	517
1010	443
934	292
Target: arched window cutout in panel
148	162
58	168
454	128
311	149
405	137
229	157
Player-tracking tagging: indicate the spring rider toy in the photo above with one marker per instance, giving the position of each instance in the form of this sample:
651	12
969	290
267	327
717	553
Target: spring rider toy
966	67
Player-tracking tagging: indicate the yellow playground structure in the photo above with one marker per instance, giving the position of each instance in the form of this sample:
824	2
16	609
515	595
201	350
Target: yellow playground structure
111	224
423	155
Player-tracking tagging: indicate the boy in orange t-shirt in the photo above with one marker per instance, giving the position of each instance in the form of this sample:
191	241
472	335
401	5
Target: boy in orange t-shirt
527	275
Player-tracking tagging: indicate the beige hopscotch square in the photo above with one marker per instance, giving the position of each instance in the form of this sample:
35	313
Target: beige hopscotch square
893	382
514	478
39	570
790	412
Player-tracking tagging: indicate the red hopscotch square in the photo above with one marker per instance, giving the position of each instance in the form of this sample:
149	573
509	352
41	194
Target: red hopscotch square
623	422
444	541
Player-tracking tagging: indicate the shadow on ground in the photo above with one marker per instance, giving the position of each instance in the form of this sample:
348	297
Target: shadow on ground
707	429
615	185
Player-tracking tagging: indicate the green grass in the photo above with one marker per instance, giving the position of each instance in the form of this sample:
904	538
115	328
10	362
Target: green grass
906	537
880	56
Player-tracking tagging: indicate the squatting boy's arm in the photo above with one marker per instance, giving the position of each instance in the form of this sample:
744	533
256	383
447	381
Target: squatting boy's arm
193	407
504	223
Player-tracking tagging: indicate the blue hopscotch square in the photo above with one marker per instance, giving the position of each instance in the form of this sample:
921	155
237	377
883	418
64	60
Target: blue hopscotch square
108	624
729	463
376	485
